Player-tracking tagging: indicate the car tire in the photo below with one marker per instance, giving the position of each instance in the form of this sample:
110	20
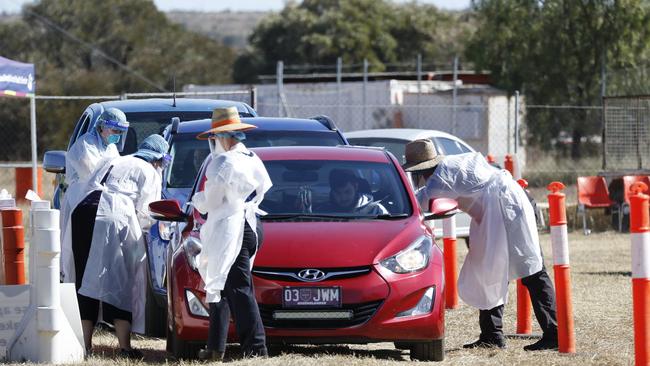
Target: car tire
181	349
402	345
428	351
155	317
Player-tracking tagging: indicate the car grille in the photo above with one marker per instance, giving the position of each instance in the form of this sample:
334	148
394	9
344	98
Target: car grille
291	274
360	314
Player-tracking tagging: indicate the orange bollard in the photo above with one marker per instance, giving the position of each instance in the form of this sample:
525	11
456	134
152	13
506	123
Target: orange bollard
449	255
509	164
561	269
13	242
490	159
524	305
640	233
24	182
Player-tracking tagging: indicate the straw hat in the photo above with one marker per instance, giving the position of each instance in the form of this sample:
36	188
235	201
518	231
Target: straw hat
225	120
421	155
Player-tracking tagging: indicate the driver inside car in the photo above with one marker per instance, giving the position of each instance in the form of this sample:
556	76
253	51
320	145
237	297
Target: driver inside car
349	193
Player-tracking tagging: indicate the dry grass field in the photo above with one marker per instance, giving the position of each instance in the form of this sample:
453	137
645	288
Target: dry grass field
600	269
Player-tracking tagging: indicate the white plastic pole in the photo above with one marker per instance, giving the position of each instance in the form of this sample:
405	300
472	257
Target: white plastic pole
32	113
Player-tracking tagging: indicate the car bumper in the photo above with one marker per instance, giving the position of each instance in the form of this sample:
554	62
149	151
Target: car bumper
383	293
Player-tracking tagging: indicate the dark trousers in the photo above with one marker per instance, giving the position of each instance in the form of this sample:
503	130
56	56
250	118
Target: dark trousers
82	226
238	297
542	297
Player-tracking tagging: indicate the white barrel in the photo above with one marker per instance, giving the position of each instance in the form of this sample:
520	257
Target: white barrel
45	219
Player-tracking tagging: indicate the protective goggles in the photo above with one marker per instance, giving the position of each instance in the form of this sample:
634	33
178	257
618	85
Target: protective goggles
116	125
166	160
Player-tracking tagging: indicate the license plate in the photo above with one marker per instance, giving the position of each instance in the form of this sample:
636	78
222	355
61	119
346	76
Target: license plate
298	297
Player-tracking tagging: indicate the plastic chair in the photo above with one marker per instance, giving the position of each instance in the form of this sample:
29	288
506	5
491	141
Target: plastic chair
592	193
623	208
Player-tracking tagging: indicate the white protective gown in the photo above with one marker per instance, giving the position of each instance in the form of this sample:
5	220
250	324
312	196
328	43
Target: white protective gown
231	178
504	244
81	161
115	271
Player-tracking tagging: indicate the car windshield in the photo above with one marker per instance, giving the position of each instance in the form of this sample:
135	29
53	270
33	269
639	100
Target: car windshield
395	146
188	153
334	188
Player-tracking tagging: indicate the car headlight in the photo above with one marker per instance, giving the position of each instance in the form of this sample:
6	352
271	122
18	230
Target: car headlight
414	258
165	230
192	248
195	305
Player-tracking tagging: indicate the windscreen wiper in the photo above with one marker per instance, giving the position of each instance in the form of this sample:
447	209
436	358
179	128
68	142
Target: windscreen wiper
306	216
390	217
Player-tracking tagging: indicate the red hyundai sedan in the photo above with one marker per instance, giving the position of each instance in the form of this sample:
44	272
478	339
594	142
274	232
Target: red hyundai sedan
328	271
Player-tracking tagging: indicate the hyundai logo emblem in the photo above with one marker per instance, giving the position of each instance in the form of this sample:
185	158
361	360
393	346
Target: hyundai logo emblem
311	275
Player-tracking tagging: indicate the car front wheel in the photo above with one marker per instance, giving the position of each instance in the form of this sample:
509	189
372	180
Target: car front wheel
428	351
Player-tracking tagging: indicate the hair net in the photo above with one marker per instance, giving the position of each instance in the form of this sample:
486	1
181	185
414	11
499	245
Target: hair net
153	148
113	118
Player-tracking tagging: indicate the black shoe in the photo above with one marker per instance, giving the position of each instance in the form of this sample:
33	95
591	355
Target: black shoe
546	343
262	353
483	343
132	353
210	355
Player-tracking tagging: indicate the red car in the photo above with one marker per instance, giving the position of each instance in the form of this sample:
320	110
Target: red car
367	273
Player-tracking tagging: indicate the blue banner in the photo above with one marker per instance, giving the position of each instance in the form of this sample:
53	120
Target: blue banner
16	78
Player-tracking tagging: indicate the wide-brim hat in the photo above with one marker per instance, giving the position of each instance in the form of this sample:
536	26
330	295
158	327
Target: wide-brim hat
225	120
421	155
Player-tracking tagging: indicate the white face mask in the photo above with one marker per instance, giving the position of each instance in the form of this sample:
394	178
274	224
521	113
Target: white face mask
216	146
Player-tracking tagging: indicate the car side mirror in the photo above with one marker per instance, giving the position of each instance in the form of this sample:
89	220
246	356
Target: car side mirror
54	161
167	210
441	208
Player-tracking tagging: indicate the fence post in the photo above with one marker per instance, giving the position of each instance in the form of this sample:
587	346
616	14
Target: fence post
339	76
516	120
365	91
279	76
449	253
561	268
640	235
419	78
254	98
454	97
524	306
13	246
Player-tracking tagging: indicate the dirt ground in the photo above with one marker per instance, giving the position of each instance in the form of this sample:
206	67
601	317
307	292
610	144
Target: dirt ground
600	270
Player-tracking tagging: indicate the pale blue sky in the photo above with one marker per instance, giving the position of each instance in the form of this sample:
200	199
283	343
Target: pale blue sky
13	6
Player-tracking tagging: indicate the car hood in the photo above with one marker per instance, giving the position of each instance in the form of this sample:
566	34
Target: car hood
335	244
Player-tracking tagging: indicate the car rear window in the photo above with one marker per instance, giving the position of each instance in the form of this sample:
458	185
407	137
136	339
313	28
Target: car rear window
395	146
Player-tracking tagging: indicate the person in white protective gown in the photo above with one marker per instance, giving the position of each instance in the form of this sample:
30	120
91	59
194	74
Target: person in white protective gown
503	245
82	159
108	244
236	181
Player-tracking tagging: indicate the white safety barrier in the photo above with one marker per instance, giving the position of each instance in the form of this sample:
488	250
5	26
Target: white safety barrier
50	331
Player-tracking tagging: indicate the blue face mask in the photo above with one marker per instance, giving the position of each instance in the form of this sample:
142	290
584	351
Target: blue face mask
113	139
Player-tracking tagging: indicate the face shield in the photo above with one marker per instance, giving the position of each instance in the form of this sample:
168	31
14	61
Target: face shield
113	127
